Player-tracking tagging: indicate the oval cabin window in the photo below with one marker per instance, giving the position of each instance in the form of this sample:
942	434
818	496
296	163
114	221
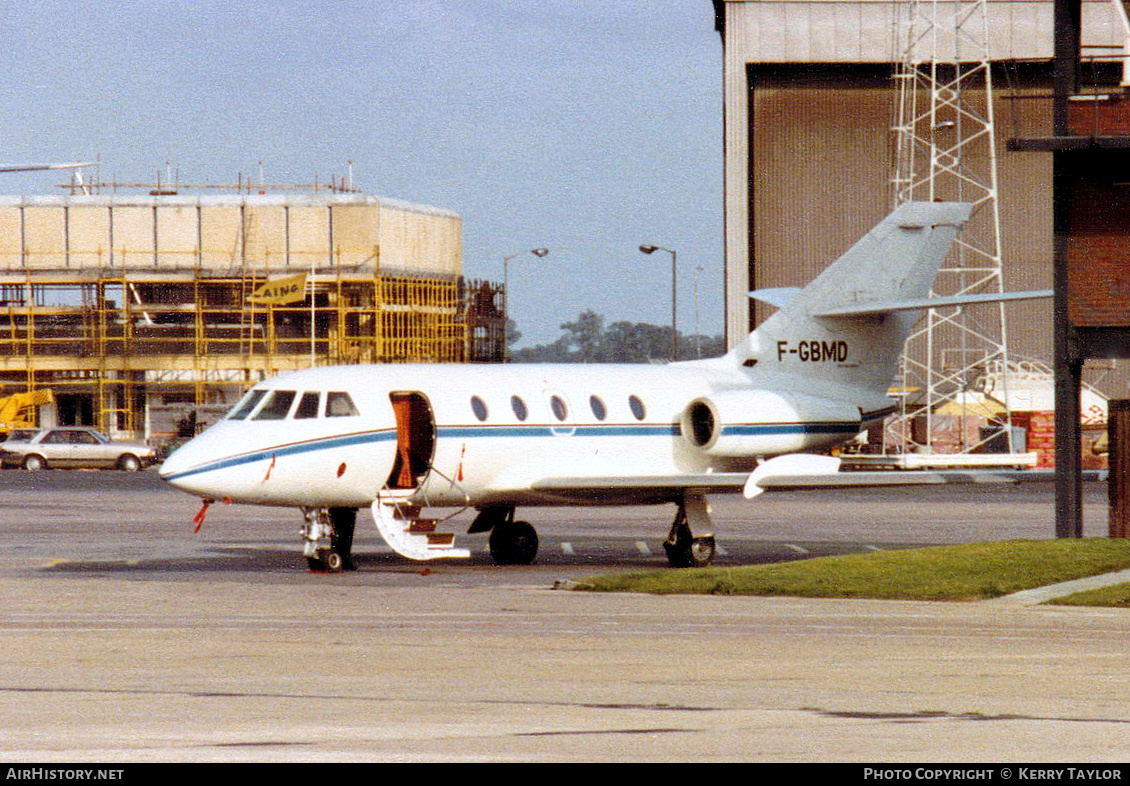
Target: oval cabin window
519	407
637	407
598	408
479	407
557	404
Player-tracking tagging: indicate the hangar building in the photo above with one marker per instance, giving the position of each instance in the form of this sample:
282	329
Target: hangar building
809	109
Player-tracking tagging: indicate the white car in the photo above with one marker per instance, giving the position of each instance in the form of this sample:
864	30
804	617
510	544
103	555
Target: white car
72	447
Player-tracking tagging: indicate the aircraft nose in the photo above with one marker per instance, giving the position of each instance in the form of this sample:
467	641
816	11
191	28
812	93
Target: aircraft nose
174	463
171	470
177	469
169	467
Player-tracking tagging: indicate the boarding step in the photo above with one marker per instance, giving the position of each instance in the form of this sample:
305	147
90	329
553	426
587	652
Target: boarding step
409	535
427	528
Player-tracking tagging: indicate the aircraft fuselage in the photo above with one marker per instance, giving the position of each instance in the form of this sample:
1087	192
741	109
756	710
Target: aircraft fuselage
482	435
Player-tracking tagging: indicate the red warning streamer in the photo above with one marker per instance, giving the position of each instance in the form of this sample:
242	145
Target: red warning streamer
198	519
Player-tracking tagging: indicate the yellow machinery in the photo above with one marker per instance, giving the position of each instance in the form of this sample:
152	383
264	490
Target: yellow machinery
20	409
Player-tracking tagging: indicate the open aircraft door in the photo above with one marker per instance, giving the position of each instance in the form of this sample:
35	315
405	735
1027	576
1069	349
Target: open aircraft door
415	440
397	516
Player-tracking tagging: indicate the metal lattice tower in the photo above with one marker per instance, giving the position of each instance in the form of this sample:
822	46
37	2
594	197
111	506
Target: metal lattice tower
945	149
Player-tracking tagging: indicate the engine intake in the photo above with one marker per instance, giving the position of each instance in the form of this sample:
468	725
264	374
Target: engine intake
745	424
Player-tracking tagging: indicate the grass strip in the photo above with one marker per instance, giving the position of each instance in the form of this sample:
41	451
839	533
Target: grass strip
1117	595
961	572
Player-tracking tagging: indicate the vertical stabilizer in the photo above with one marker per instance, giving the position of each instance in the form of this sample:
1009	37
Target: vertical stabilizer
894	262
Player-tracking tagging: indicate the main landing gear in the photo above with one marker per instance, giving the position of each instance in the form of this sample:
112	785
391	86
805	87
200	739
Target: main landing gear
511	542
684	548
690	543
328	537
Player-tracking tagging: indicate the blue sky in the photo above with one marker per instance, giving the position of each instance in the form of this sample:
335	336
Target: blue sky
584	126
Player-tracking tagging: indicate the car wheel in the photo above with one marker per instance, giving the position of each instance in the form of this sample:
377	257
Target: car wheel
34	463
129	463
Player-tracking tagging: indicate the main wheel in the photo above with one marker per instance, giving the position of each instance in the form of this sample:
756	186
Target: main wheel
34	463
689	552
513	543
129	463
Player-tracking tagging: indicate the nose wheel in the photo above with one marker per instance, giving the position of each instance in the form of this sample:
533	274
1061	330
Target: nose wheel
328	539
326	560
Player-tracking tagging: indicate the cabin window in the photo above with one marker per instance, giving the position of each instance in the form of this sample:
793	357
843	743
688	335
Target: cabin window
560	410
479	407
637	407
340	405
244	407
598	407
276	406
307	406
519	407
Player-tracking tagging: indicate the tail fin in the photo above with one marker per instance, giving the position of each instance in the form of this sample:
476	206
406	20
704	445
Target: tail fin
820	331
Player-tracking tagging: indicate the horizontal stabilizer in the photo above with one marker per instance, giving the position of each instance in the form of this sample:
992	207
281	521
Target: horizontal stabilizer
876	308
775	296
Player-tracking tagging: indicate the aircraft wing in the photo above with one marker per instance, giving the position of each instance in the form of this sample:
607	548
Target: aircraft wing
914	477
641	488
785	473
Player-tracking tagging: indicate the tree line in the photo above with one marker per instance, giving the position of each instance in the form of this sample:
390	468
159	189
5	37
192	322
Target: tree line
587	340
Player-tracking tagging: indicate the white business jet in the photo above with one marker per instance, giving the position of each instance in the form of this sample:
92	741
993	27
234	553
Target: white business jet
408	441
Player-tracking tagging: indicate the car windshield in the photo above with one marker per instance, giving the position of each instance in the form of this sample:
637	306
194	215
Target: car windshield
22	435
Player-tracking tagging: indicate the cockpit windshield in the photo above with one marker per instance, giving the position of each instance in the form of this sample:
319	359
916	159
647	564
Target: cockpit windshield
340	405
261	404
244	407
276	406
307	406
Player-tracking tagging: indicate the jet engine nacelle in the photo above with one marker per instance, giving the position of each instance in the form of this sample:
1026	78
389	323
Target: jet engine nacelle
752	423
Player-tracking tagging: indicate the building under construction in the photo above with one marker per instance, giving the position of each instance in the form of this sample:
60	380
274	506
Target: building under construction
148	315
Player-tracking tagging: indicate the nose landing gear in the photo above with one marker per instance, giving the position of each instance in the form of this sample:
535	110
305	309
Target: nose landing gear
328	538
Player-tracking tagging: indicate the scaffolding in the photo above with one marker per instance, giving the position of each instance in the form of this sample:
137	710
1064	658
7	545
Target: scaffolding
140	313
125	337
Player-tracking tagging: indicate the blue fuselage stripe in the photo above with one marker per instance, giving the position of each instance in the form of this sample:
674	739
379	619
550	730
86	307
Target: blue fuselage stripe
290	449
511	432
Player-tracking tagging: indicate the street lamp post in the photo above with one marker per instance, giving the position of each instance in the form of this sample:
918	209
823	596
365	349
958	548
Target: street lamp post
697	334
674	298
537	252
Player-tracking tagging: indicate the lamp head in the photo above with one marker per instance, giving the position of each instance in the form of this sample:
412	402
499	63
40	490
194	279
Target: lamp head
539	252
648	249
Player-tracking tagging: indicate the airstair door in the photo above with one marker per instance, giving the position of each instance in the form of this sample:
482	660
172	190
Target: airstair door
415	439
